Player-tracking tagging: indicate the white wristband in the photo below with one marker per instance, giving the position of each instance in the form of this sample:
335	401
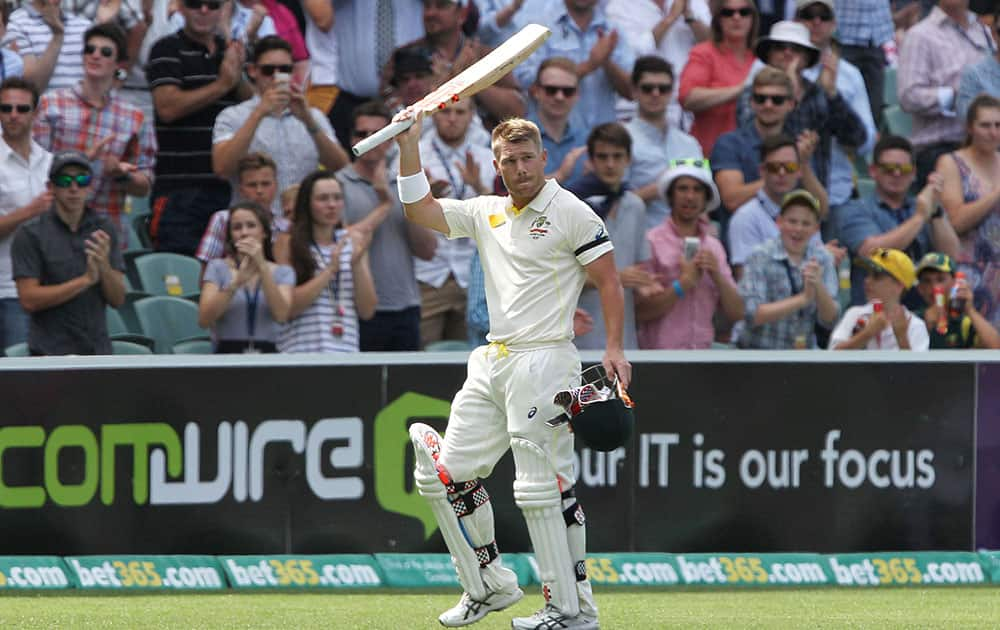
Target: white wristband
413	188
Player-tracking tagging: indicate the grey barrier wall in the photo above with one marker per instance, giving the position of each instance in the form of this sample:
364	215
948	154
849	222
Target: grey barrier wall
734	451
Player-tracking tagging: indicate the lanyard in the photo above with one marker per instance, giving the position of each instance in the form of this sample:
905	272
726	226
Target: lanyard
965	35
252	310
337	328
335	280
458	192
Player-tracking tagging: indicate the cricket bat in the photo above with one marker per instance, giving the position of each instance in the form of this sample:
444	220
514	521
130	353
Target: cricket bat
469	82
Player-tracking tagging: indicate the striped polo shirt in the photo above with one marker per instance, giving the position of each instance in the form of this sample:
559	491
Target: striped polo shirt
185	145
28	34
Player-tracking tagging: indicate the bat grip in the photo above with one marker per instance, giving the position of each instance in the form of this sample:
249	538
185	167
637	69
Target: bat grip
385	133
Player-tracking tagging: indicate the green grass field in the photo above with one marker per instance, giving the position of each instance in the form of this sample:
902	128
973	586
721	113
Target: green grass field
825	608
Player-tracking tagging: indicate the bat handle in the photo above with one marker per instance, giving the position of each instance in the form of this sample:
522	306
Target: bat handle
385	133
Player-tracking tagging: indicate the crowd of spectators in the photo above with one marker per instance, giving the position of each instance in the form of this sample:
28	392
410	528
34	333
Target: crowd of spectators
740	155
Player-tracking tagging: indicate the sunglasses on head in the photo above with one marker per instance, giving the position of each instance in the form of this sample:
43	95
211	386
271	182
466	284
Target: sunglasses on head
569	91
776	167
211	5
891	168
821	14
65	181
742	12
695	162
662	88
7	108
268	69
106	51
777	99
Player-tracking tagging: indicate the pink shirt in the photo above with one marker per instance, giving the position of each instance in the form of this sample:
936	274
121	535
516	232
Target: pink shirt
287	28
711	67
688	325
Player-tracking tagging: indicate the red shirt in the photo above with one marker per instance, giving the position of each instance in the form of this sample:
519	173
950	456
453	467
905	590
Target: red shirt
710	66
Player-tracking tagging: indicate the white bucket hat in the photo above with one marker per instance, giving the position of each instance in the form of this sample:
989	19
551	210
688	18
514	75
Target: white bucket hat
787	32
690	168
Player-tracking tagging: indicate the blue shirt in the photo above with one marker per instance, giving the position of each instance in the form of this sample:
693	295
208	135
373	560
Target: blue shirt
770	276
597	95
867	217
979	78
863	22
575	135
652	151
754	223
738	150
493	35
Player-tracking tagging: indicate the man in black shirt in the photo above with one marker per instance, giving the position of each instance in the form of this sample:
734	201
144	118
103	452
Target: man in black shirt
193	75
68	266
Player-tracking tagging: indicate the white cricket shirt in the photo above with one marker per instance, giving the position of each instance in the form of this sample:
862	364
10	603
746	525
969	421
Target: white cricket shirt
533	260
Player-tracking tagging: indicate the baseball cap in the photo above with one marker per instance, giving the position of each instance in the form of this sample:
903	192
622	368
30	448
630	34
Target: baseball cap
938	261
801	4
890	261
413	59
62	159
800	196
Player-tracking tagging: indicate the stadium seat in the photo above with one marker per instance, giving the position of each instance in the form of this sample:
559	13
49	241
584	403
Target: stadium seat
897	122
447	345
17	350
118	330
154	269
889	95
169	320
865	187
193	346
119	346
140	225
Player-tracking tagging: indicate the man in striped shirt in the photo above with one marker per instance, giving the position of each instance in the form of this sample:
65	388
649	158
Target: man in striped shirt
194	74
49	41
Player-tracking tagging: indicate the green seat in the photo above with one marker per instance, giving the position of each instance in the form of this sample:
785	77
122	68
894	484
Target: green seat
167	320
193	346
447	345
154	270
18	350
897	122
865	186
889	95
119	346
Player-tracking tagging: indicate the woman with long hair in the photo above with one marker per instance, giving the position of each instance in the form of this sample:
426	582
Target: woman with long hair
716	71
335	286
971	197
245	296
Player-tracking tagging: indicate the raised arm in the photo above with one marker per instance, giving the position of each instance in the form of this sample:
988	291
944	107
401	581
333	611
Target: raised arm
423	210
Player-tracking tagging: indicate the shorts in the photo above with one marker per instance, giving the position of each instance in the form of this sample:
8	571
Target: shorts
509	395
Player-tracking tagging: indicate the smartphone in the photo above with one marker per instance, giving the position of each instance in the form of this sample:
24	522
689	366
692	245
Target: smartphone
691	244
283	79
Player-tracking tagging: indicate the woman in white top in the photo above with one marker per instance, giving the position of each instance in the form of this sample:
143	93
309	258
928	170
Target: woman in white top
335	286
245	296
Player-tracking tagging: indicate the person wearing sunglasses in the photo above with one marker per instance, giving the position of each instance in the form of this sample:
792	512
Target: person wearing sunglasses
690	284
92	118
194	74
818	16
884	323
68	267
582	31
396	243
819	105
276	121
49	41
24	166
556	91
654	141
781	170
892	218
717	70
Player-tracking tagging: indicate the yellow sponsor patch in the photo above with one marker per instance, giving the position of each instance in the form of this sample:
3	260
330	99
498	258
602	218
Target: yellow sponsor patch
496	220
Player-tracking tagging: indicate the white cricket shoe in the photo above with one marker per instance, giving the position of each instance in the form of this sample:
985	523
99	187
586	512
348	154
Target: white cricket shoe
468	610
550	618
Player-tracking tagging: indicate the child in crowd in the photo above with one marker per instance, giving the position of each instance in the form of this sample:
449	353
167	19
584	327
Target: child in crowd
960	325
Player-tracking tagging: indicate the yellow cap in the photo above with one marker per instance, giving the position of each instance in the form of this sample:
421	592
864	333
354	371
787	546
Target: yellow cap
893	262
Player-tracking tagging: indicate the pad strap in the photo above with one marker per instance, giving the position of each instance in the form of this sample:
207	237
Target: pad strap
580	568
573	515
473	496
487	553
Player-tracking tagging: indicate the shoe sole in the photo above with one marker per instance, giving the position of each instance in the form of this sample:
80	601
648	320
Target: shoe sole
512	599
